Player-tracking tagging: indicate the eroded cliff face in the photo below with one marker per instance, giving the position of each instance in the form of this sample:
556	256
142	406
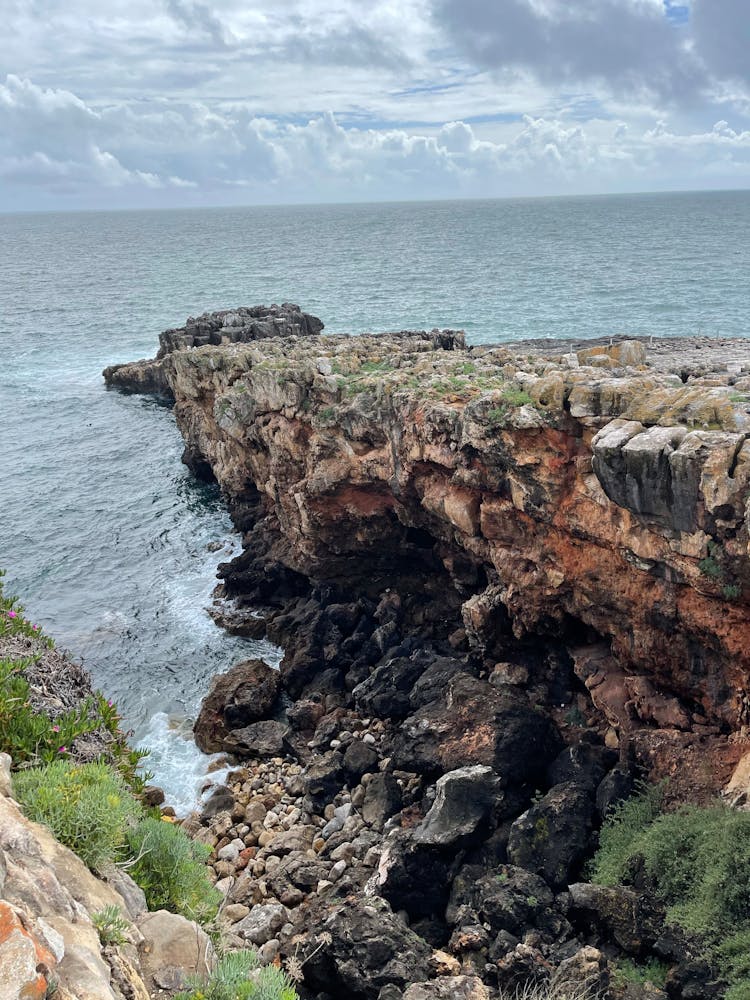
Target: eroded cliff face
589	496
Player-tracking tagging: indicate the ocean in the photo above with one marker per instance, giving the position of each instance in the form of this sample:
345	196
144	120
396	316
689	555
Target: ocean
108	540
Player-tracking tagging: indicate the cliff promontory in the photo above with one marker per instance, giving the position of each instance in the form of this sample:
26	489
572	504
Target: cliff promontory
508	580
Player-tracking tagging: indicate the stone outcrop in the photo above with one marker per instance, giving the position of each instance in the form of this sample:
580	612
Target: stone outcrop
48	898
504	579
566	495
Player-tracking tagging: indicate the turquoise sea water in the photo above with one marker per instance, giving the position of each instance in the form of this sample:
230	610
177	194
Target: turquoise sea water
105	535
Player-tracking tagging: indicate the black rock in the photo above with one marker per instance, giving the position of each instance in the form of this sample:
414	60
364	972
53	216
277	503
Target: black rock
359	759
259	739
382	800
323	779
552	837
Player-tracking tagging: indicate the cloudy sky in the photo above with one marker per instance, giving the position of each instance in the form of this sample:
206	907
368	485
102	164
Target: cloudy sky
128	103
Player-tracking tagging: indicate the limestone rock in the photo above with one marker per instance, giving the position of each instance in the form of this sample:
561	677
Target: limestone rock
173	948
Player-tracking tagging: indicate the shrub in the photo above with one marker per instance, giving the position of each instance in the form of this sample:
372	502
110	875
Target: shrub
87	807
171	870
29	735
626	971
240	976
13	621
697	861
110	924
552	990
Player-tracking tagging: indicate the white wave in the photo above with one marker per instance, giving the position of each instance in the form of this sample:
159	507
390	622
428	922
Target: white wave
178	765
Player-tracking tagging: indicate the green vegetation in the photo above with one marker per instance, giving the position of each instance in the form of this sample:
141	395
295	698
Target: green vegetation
697	863
515	396
239	975
171	870
92	807
87	807
32	736
713	566
626	971
111	925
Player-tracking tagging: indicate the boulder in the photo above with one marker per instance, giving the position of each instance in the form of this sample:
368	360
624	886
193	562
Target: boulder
508	899
412	876
622	915
464	798
323	779
262	923
173	949
244	694
385	692
370	948
474	723
259	739
552	836
359	759
449	988
383	799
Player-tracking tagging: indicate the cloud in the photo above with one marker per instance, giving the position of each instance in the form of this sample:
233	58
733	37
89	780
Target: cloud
721	33
51	140
646	48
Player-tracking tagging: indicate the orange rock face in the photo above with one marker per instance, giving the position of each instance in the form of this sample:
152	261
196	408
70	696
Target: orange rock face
25	964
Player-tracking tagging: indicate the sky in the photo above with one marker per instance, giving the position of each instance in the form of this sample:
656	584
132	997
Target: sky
167	103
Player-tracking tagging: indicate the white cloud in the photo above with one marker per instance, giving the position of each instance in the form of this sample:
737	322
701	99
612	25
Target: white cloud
177	150
199	101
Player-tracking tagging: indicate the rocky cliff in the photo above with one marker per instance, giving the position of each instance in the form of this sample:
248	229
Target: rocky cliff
506	578
599	497
49	944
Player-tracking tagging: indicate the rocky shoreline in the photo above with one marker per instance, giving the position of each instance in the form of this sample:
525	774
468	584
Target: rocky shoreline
509	581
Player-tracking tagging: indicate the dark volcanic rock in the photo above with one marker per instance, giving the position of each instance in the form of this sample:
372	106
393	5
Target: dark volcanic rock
382	800
413	876
371	948
259	739
359	759
323	779
583	763
464	798
386	690
242	695
622	915
510	899
552	836
477	724
220	800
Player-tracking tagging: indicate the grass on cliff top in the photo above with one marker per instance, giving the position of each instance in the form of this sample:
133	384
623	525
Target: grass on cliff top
696	862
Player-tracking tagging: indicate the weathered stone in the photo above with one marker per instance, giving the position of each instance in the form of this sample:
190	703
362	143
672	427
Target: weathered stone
552	836
382	800
259	739
359	759
451	988
242	695
173	946
371	948
464	798
262	923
